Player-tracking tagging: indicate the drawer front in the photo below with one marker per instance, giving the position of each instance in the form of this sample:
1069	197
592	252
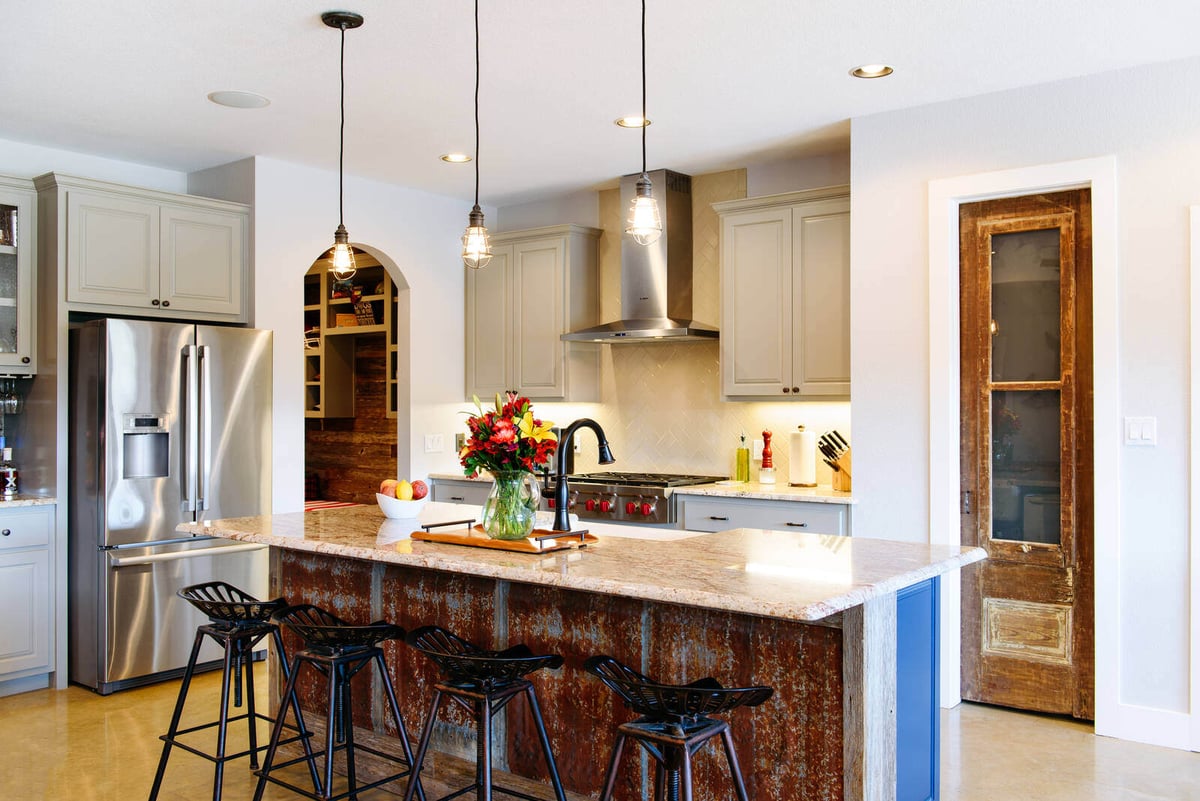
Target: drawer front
460	492
25	528
711	514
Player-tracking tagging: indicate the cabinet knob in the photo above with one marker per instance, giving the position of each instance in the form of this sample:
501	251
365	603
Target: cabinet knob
5	532
154	302
787	390
166	303
24	360
795	390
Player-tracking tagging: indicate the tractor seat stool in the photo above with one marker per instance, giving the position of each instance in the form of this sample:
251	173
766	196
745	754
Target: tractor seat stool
482	682
338	651
675	722
237	622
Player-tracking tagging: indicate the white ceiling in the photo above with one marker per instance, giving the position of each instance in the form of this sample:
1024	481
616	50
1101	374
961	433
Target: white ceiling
730	83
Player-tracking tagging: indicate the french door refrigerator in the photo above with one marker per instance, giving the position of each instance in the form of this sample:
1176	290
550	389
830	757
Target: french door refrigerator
169	423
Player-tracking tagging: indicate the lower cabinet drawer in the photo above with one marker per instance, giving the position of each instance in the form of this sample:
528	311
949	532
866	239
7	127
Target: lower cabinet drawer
720	514
24	528
472	492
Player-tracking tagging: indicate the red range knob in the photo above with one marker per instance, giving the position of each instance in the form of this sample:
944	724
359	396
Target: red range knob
630	507
647	509
590	505
551	502
605	506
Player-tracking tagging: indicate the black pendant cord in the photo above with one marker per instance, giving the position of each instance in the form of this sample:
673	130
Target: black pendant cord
645	124
476	103
342	128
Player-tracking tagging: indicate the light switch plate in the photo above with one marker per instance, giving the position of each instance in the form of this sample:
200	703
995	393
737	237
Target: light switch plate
756	453
1141	431
434	443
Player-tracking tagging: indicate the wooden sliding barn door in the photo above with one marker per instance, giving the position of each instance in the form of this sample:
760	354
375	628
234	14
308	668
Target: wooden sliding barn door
1026	403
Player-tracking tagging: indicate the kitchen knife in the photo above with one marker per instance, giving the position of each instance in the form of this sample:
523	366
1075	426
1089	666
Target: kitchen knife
841	439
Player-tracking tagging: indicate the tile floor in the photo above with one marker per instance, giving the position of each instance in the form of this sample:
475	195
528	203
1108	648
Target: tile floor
77	745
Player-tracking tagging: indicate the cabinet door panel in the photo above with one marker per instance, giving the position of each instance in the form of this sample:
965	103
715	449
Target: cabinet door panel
539	305
112	250
489	342
17	323
821	303
202	261
24	597
756	290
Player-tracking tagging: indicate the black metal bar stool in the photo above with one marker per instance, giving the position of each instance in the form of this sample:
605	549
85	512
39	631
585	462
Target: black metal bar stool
238	623
675	722
339	651
482	682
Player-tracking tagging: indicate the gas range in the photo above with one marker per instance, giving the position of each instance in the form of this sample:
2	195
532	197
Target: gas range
625	497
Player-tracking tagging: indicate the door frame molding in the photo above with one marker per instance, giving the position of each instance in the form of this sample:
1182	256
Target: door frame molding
1194	477
945	196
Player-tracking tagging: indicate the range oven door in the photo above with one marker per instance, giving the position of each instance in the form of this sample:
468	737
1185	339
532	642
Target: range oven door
150	629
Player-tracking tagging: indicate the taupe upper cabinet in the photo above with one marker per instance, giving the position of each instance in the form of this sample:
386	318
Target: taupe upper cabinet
18	234
540	284
149	253
785	295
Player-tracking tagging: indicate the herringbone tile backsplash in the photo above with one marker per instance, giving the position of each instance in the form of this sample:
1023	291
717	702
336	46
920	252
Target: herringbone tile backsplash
661	403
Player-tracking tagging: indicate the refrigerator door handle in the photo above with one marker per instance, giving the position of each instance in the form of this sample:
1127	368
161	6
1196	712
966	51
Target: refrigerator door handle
204	462
187	459
130	561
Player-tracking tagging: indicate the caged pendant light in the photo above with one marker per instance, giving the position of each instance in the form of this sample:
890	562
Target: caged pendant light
342	257
644	223
477	247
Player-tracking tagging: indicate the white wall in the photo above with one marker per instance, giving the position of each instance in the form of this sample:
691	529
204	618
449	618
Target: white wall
26	161
1149	118
774	177
581	208
295	214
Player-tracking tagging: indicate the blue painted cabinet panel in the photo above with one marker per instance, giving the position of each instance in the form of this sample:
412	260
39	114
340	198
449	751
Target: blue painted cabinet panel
917	707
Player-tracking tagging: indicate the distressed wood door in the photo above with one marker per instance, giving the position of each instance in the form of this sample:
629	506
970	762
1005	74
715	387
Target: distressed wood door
1026	452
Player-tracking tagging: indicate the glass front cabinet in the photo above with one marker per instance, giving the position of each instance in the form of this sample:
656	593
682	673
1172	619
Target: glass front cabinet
18	238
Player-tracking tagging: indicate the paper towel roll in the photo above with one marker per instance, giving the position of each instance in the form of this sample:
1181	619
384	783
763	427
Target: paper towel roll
802	459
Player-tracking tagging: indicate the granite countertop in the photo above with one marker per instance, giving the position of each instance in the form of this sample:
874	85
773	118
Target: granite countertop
752	490
27	500
793	576
769	492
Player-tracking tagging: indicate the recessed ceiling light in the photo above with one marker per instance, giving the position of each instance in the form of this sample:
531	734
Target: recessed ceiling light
456	158
872	71
235	99
632	122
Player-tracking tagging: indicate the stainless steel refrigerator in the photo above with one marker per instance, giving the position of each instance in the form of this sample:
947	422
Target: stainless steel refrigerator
169	423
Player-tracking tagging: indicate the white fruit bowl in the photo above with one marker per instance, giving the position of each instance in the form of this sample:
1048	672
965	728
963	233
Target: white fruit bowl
393	507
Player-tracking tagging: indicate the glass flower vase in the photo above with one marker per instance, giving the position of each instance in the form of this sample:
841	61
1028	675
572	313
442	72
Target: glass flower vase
508	512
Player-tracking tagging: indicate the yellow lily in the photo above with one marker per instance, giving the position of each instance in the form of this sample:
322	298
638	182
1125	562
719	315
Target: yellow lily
538	433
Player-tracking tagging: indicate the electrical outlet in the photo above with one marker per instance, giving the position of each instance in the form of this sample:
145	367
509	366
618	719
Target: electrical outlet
434	443
460	442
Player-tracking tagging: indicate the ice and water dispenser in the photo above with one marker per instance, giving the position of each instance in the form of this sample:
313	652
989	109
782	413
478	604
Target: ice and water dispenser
146	446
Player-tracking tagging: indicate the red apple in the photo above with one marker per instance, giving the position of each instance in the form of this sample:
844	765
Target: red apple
388	487
420	489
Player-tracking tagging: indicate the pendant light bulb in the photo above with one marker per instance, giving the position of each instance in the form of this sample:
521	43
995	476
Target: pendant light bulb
477	247
644	223
341	259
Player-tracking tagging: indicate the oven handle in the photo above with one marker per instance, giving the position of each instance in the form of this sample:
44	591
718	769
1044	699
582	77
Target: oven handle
130	561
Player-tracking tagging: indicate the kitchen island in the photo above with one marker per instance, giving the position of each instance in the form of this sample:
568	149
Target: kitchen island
813	616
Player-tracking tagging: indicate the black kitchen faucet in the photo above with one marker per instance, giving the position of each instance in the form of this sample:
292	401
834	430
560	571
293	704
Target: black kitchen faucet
562	521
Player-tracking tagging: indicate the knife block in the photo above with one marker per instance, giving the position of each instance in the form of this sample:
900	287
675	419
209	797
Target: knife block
841	476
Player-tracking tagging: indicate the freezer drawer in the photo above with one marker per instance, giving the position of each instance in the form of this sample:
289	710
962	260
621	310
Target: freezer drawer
150	629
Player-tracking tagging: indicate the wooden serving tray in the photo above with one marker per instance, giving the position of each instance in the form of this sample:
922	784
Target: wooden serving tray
476	538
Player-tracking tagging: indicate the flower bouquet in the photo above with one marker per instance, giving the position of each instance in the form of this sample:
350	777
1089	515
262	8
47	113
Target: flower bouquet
510	443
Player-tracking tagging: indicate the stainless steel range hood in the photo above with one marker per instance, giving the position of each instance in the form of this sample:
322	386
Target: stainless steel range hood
656	280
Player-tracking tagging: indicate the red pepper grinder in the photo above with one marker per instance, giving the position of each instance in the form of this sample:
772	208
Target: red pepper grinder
766	474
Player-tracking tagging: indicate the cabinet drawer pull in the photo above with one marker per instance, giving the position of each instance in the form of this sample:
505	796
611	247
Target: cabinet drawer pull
717	517
456	497
6	532
798	525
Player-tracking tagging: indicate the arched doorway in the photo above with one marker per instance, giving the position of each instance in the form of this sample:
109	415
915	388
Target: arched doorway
356	368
